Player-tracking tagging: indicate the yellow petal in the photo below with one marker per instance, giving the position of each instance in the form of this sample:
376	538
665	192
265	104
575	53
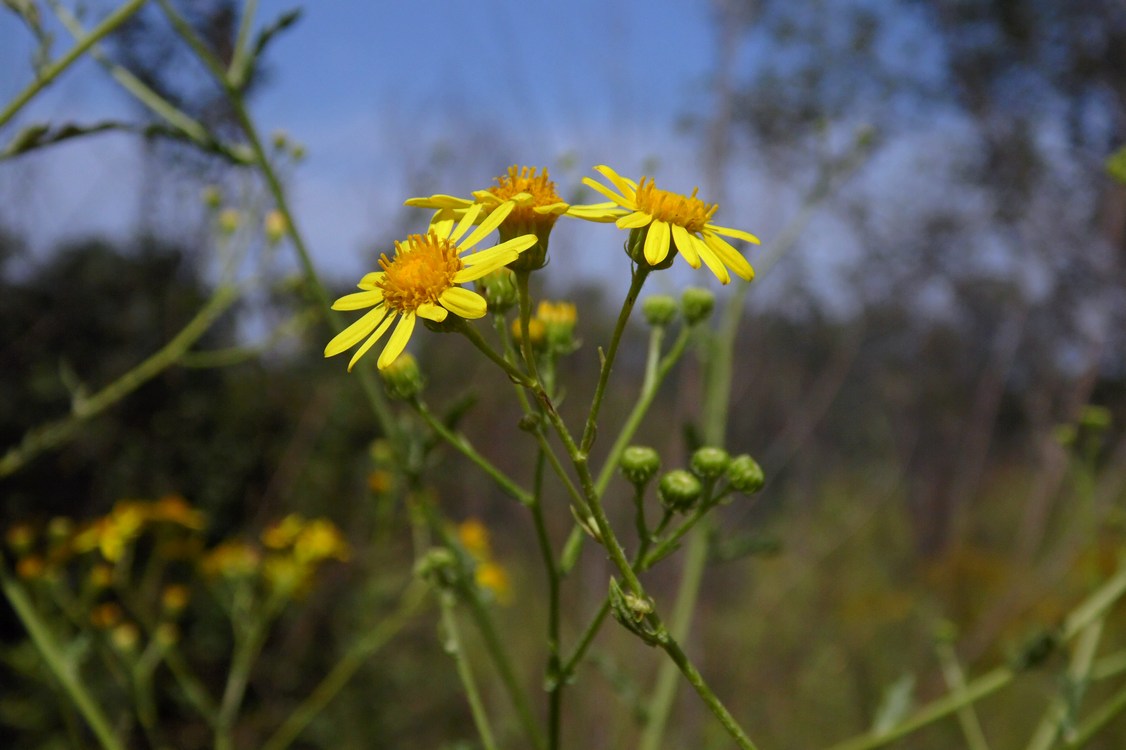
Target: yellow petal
398	341
490	222
370	280
371	340
624	184
620	200
712	262
430	311
463	302
358	300
686	245
730	256
738	234
657	242
466	221
634	220
553	208
438	201
347	338
603	212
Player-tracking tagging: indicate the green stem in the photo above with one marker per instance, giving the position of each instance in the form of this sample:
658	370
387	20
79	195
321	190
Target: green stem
1098	719
455	648
56	661
461	444
1078	677
192	129
655	373
672	648
240	60
54	434
591	429
48	75
525	321
956	683
555	683
356	656
660	702
248	644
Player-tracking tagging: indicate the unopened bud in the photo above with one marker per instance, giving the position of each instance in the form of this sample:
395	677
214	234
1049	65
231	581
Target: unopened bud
275	227
698	304
679	490
659	310
745	475
211	197
229	220
710	463
402	377
499	290
639	463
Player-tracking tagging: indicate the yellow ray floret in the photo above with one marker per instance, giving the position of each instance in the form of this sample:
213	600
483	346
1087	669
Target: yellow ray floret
421	281
674	220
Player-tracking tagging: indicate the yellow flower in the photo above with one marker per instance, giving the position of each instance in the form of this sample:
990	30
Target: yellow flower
474	536
175	509
492	576
320	540
421	281
534	203
668	220
231	559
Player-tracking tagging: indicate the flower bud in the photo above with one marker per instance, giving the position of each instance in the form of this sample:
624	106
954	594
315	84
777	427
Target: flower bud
125	636
280	138
639	463
438	567
229	220
679	490
558	320
275	227
499	290
20	538
536	331
659	310
710	463
698	304
745	475
211	197
635	249
402	377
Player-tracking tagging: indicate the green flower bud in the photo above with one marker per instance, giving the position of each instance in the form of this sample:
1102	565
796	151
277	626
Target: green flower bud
229	220
558	320
499	290
1095	418
639	464
635	249
679	490
745	475
438	567
297	152
279	138
211	196
659	310
698	304
710	463
402	377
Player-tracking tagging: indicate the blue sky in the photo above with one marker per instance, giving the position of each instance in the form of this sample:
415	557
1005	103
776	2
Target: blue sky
373	89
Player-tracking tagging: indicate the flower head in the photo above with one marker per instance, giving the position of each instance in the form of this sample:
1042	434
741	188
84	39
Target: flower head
535	207
663	220
421	281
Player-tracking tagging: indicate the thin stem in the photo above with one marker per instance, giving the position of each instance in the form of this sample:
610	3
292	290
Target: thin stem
555	683
455	649
956	683
157	104
54	434
655	373
248	644
356	656
48	75
672	648
525	321
240	60
475	338
1078	677
591	429
461	444
56	661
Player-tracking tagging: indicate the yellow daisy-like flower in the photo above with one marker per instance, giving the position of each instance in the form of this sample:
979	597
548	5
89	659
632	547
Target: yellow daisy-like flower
421	281
669	220
534	203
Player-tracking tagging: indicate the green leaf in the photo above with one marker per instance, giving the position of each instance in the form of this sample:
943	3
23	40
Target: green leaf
897	701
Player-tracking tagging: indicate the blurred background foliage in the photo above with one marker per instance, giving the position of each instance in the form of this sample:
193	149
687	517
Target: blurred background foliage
924	425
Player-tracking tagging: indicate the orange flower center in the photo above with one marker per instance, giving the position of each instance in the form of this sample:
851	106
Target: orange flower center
423	267
686	210
539	186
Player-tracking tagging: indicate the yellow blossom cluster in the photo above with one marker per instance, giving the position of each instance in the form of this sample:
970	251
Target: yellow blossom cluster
489	574
424	276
